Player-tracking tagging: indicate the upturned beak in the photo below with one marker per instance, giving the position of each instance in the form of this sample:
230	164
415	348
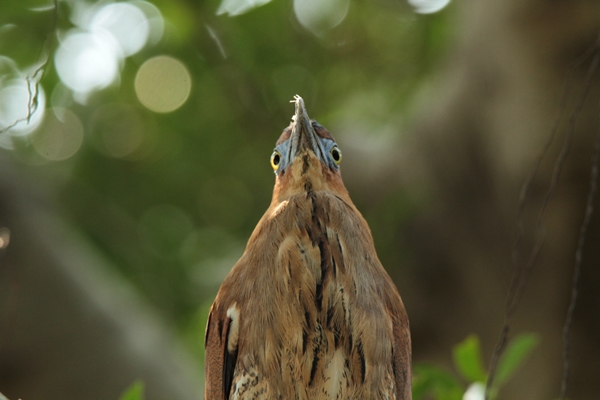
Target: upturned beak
303	135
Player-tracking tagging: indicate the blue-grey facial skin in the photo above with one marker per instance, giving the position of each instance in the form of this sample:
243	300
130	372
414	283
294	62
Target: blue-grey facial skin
284	150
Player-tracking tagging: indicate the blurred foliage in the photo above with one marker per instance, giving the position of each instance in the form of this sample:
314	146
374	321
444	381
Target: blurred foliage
173	215
134	392
433	382
468	359
514	356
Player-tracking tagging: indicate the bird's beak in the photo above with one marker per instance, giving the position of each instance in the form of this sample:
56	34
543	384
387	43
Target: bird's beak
303	135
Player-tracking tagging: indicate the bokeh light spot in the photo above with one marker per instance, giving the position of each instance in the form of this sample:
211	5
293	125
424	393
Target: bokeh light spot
4	237
428	6
238	7
86	61
321	15
126	23
59	136
90	56
18	110
154	18
475	391
14	107
163	84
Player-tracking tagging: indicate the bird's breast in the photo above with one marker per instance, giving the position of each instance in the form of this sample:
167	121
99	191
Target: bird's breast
316	290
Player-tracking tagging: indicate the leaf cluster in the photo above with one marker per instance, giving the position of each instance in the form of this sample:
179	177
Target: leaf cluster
436	383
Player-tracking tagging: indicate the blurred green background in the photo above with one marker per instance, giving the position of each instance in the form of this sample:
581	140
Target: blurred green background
156	121
171	197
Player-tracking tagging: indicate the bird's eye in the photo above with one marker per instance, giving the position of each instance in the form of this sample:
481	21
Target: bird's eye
275	160
336	154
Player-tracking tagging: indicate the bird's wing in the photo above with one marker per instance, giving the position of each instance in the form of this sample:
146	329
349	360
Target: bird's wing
221	353
402	355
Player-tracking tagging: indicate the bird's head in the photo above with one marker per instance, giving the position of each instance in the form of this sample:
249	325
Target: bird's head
306	159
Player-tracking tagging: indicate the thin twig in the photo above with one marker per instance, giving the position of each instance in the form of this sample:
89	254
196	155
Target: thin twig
521	274
578	258
33	80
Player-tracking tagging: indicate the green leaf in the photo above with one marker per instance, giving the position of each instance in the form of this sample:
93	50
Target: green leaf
134	392
432	380
468	360
514	356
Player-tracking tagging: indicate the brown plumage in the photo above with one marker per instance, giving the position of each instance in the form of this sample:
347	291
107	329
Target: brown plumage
308	312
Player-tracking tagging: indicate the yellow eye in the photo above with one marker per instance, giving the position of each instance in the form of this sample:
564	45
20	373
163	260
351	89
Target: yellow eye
275	160
336	154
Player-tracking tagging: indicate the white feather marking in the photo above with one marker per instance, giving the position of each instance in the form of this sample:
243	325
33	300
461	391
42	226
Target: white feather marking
335	378
279	208
233	313
246	385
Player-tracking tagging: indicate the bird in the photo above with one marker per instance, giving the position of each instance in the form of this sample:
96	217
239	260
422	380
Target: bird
308	311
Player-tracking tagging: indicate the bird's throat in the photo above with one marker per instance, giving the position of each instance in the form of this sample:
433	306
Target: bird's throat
305	175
